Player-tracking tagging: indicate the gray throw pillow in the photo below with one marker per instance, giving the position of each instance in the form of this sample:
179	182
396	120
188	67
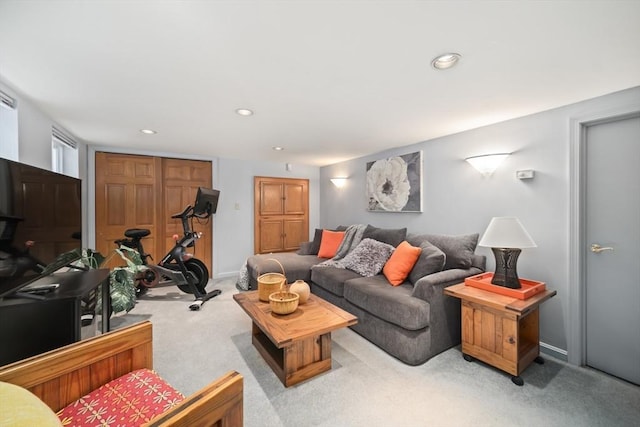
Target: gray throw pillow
459	250
315	243
305	249
368	258
390	236
431	261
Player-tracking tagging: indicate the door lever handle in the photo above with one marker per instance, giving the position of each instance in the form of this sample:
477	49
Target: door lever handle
596	248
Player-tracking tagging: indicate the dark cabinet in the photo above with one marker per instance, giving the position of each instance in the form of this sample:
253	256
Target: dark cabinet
30	326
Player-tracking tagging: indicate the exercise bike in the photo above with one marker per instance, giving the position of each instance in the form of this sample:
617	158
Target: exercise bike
178	267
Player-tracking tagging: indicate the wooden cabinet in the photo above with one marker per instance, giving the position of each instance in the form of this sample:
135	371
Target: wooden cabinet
134	191
500	330
281	214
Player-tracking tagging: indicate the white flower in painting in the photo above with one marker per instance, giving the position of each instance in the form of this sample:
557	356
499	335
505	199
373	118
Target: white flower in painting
388	184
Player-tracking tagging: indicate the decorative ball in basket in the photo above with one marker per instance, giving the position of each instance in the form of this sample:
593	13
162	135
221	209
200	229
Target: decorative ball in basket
301	288
269	283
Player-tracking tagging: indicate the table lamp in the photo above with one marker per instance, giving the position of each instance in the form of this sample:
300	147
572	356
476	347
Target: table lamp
506	236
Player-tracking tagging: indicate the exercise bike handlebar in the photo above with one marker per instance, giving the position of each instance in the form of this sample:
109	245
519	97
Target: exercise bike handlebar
184	214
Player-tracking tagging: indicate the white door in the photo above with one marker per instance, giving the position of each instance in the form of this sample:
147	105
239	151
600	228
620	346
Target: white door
613	248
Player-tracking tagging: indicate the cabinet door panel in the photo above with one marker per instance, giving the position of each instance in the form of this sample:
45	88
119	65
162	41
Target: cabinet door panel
293	232
181	179
125	198
271	232
294	199
271	197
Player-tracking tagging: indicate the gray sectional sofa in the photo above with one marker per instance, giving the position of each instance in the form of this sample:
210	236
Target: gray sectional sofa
413	321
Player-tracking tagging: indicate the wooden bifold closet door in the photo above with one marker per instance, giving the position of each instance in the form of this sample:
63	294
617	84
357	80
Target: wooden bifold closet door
281	214
143	192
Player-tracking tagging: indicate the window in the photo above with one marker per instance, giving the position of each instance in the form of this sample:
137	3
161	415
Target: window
64	154
8	127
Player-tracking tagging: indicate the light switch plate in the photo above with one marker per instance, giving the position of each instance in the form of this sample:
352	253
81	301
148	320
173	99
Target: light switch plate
525	174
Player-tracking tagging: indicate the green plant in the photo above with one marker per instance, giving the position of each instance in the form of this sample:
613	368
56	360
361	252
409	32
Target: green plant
122	283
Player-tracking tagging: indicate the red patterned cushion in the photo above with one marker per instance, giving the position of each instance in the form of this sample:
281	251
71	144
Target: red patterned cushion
130	400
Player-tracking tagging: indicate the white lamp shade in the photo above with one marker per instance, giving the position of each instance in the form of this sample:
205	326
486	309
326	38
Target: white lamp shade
506	232
339	182
487	163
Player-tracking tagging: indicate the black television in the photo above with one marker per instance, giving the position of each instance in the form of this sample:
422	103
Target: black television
40	218
206	202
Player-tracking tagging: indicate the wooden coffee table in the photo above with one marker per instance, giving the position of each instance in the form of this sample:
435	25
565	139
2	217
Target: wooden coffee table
296	346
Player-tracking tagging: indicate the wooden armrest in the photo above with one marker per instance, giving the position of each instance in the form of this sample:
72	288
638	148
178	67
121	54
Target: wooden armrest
61	376
219	402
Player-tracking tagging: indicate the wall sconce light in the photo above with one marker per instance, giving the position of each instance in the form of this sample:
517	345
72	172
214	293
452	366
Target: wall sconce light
506	236
487	163
339	182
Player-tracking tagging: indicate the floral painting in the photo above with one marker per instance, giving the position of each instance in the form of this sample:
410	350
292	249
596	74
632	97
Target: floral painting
395	184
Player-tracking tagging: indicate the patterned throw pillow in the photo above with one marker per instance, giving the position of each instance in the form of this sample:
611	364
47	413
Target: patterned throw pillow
368	258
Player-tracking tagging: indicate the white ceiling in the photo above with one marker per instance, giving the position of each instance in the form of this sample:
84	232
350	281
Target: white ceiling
328	80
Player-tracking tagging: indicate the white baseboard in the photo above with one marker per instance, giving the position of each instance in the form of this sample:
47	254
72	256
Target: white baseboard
556	352
226	275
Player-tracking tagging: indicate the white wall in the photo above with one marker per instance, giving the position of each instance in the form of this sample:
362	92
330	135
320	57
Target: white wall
34	139
458	200
233	239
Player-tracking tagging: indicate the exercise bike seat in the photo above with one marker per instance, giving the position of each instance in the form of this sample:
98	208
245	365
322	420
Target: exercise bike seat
136	233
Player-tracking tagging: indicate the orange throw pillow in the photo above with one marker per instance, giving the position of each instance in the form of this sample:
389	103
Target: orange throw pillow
401	262
330	242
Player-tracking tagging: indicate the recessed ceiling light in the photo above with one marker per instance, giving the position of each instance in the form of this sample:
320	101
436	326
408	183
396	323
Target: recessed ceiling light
278	148
148	131
446	60
244	112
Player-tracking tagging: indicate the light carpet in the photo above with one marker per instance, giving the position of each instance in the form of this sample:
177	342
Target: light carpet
366	386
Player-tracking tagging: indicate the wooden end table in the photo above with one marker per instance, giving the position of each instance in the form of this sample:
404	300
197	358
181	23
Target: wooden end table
296	346
500	330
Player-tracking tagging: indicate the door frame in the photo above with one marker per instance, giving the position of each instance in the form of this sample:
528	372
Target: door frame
576	333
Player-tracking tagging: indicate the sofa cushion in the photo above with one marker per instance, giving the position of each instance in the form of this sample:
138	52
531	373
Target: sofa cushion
401	263
332	279
131	400
390	236
393	304
20	407
459	250
330	243
368	257
431	260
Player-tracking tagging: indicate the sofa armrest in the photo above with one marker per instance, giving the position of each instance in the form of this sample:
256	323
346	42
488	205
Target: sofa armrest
219	403
426	287
444	311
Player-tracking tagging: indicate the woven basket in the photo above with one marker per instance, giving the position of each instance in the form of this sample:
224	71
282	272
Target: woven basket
283	302
269	283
